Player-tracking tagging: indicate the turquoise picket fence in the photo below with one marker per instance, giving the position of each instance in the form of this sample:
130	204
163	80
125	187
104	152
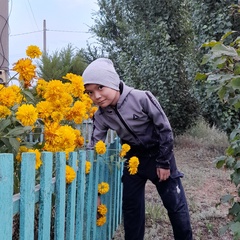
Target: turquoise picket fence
75	205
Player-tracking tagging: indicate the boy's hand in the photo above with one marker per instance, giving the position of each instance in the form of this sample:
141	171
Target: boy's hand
163	174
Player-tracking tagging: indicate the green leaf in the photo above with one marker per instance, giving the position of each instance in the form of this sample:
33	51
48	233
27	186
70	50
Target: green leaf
223	229
235	228
15	144
237	105
210	44
19	130
220	77
220	161
226	35
222	92
237	69
230	162
237	165
29	96
6	142
4	123
235	83
200	76
206	58
221	49
235	176
214	77
226	198
220	62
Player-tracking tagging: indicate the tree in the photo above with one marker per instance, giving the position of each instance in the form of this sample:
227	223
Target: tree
211	20
224	62
150	43
60	63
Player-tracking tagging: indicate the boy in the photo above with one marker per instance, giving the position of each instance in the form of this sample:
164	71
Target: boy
139	121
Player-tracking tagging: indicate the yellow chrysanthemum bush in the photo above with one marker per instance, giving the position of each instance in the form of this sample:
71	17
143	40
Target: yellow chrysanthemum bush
36	109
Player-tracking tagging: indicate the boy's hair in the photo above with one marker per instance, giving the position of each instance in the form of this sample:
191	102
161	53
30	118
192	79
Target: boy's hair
101	71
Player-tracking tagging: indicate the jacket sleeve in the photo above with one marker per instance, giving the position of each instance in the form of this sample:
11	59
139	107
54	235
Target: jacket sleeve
163	128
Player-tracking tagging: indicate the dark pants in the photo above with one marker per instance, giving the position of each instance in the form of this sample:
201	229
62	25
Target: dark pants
171	193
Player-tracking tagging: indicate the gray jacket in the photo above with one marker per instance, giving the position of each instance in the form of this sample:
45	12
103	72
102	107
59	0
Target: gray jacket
140	121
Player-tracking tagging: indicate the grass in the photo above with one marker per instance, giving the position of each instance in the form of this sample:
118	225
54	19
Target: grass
203	136
204	184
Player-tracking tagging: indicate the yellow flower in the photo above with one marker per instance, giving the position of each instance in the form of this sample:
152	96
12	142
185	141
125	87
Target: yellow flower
57	116
77	113
65	138
4	111
79	139
27	114
70	174
33	51
124	150
102	209
100	147
133	165
54	90
41	87
44	109
87	167
20	151
9	96
103	188
133	171
77	86
92	111
101	221
26	71
59	138
38	157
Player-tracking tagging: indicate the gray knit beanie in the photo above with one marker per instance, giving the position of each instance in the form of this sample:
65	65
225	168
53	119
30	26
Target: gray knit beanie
101	71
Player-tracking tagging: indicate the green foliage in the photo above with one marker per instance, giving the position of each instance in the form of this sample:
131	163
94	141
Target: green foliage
211	20
224	62
222	83
151	44
60	63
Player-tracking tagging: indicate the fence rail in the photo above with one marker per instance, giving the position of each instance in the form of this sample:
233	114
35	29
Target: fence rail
75	205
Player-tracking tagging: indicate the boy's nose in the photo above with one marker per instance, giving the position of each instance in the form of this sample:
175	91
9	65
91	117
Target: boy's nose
97	95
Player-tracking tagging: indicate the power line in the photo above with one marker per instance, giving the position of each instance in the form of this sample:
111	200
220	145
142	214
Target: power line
19	34
33	14
66	31
13	35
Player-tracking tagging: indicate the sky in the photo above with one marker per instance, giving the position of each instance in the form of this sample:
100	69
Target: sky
67	22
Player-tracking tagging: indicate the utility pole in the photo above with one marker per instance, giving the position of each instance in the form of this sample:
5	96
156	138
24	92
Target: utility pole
44	37
4	42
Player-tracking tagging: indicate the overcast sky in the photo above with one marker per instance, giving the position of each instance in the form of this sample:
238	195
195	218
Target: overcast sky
67	22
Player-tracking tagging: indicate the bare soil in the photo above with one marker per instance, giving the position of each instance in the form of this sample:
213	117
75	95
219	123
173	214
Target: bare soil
204	185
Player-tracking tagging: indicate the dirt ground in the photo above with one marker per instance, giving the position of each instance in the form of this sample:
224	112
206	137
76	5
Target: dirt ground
204	185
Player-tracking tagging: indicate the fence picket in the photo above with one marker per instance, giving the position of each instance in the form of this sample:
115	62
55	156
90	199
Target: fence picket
27	200
80	195
6	192
45	197
71	200
89	200
95	196
60	196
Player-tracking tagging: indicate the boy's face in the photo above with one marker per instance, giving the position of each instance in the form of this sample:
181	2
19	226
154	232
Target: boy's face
101	95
